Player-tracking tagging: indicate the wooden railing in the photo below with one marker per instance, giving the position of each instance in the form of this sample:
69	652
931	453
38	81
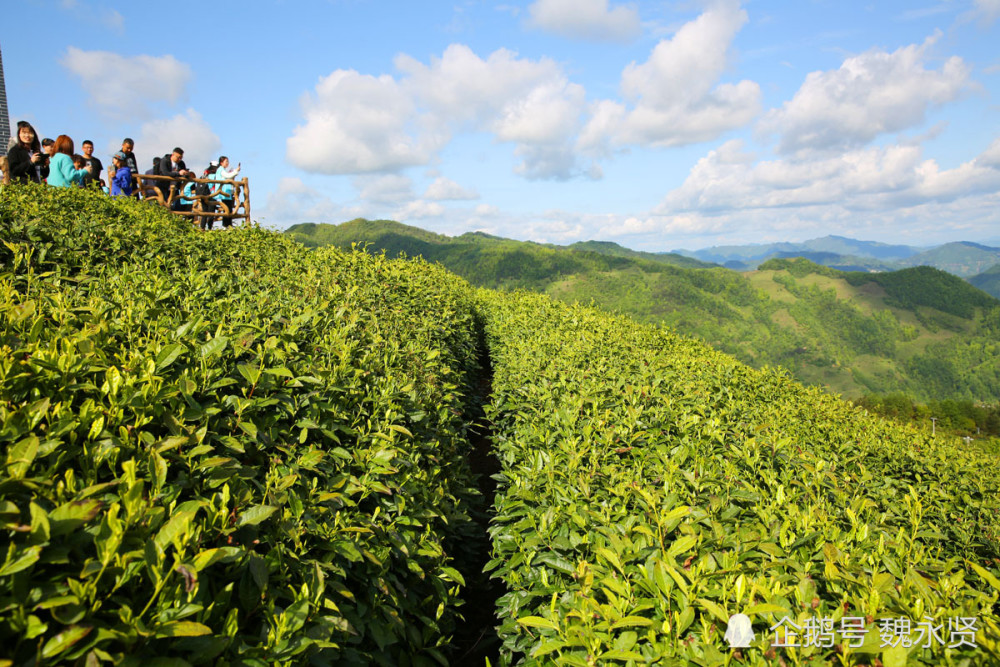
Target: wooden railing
167	191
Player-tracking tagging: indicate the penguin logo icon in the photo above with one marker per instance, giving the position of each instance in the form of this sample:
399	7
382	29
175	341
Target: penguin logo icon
739	632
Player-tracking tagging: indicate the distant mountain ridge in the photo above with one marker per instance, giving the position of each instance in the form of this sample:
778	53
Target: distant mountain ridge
961	258
835	245
918	330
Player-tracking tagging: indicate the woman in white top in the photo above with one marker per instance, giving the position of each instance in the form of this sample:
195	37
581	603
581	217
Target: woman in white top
224	173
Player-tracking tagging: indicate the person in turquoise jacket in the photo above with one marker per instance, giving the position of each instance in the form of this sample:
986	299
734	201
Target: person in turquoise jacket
61	171
225	191
186	202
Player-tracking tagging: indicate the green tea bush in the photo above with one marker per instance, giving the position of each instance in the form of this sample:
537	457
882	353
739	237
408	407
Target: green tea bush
222	448
652	487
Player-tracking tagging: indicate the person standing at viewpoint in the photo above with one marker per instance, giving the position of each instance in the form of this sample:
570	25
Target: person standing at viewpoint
95	164
225	195
25	157
130	161
61	171
121	175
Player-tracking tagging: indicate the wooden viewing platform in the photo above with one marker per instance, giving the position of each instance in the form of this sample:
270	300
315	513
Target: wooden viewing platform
167	190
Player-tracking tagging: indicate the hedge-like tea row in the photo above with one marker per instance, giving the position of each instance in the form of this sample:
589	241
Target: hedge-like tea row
653	487
221	448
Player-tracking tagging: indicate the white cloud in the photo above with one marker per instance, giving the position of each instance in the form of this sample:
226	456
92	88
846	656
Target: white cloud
124	88
385	189
419	209
486	210
293	201
586	19
188	131
114	20
558	229
357	123
870	94
446	189
675	95
986	11
991	156
105	16
633	225
872	179
529	103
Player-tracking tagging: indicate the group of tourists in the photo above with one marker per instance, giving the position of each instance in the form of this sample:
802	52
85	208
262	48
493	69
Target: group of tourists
56	163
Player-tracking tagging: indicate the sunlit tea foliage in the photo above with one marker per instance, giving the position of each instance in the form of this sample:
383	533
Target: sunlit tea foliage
224	448
652	487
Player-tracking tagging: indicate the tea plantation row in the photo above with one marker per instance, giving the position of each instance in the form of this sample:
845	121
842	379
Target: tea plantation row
223	448
653	487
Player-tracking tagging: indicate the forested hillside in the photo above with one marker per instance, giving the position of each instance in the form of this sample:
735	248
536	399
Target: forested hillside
228	449
919	331
988	281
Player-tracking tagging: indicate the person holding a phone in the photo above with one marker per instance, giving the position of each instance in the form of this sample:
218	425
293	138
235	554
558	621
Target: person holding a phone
25	158
225	191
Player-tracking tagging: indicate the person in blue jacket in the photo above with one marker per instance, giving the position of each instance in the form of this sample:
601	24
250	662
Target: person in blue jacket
186	201
61	171
121	175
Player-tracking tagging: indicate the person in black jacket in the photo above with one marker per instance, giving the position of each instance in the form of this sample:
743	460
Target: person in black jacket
25	158
173	165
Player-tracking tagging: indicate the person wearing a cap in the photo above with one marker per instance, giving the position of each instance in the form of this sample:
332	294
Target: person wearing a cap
121	175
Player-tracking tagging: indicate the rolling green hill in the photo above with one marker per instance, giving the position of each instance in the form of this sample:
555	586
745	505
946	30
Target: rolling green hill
988	281
918	330
498	258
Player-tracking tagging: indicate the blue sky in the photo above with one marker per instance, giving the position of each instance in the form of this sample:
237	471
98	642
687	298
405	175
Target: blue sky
659	125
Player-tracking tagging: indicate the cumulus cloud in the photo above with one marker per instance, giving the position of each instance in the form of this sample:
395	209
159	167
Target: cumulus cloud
357	123
293	201
870	94
124	88
675	98
585	19
486	211
529	103
419	209
559	228
446	189
188	131
384	189
872	179
991	156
